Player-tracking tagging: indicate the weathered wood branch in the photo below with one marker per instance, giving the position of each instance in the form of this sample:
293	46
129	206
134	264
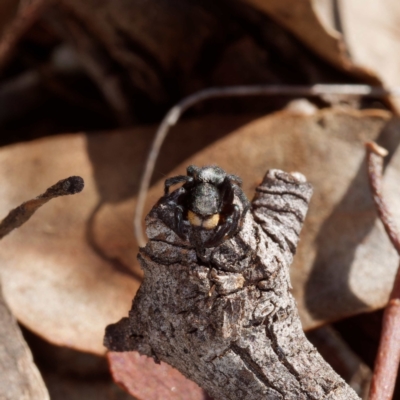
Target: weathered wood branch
226	318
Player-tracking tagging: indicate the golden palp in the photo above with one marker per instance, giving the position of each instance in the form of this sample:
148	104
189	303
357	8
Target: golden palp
206	223
211	222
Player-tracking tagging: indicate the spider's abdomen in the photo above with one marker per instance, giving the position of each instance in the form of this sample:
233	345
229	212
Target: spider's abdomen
204	200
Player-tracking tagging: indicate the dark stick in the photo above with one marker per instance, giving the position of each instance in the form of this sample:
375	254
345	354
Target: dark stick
21	214
388	357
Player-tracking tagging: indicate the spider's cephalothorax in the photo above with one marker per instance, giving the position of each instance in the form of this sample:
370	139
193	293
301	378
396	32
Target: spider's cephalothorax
207	201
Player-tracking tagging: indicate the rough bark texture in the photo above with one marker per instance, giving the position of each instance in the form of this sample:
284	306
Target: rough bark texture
226	318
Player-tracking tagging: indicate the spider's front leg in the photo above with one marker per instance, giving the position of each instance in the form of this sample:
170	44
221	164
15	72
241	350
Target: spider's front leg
179	211
231	212
178	220
174	180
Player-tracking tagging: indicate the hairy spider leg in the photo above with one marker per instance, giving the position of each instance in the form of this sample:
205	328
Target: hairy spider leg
235	179
192	170
227	193
178	216
226	207
237	187
174	180
235	216
243	199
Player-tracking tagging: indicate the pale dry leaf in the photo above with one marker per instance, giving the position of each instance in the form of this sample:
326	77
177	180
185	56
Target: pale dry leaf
371	32
359	36
64	277
73	269
344	264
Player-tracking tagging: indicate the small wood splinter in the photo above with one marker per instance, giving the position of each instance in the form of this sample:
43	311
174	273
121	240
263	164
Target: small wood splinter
21	214
248	343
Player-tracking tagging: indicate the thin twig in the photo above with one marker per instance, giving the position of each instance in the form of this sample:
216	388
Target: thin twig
388	357
173	115
21	214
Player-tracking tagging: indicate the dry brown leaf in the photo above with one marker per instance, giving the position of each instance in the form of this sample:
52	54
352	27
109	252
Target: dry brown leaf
357	36
146	380
73	269
371	32
303	20
19	376
65	276
145	56
344	264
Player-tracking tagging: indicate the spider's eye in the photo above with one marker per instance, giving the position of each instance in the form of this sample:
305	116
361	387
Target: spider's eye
192	170
214	175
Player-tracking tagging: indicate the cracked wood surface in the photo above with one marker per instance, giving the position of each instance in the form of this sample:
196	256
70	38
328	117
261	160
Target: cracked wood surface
226	318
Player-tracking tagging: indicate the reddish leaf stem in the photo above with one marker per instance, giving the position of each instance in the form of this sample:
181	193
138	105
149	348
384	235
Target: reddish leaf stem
388	357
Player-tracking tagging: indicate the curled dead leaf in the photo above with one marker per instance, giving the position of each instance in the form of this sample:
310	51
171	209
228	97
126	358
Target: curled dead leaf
73	269
304	21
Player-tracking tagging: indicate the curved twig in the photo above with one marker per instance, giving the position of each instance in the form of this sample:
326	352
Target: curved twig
176	112
21	214
388	357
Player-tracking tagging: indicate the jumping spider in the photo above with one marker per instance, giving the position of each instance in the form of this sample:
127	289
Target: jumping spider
207	202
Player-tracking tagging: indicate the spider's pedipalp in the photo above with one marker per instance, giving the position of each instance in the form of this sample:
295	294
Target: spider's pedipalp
206	202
